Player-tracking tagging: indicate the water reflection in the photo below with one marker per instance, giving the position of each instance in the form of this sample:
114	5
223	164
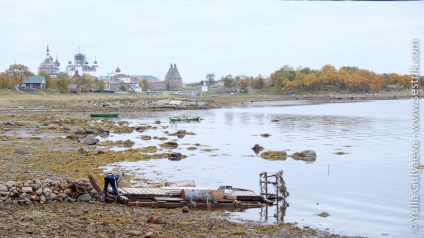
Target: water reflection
365	193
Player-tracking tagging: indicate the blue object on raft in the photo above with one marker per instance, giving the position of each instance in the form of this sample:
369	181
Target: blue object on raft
196	195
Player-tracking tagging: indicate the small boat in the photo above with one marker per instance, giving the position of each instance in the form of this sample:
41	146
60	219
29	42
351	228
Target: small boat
104	114
185	118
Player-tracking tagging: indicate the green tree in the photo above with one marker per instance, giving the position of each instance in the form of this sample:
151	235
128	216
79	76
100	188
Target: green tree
210	78
258	83
62	82
228	81
145	84
50	81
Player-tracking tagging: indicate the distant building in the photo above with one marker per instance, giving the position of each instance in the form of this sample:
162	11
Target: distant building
35	82
397	86
226	91
74	88
172	82
81	66
204	87
48	65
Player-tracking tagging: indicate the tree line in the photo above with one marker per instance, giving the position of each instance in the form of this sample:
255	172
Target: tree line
285	80
15	74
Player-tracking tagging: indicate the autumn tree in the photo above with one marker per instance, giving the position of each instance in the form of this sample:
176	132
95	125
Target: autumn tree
14	75
290	86
86	82
243	84
99	84
311	81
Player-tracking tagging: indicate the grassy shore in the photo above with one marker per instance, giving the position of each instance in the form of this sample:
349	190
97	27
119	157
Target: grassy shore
9	98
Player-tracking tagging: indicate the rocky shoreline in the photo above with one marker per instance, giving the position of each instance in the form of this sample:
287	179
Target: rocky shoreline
45	159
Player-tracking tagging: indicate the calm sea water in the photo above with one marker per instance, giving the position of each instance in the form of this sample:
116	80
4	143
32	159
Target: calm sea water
365	191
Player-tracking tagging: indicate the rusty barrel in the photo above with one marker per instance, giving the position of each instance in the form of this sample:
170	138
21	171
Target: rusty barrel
196	195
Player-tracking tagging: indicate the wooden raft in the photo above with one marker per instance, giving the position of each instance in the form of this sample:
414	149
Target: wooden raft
169	197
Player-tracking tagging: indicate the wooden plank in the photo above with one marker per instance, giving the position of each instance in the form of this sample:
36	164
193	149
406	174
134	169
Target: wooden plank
168	199
94	184
244	193
134	191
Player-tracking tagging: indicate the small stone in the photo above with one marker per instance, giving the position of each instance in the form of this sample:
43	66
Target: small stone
185	209
3	188
153	220
39	191
21	151
134	233
26	190
149	235
323	214
102	151
83	150
10	184
84	198
47	192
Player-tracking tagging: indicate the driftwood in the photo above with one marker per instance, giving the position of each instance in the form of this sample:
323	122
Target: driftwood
109	197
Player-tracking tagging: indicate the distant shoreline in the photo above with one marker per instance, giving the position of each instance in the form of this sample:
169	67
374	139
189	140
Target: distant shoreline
18	101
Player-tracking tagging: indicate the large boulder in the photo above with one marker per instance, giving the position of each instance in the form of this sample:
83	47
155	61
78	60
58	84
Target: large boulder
90	140
306	155
257	148
169	144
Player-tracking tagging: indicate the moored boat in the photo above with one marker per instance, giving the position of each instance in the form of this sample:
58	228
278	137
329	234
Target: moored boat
185	118
104	114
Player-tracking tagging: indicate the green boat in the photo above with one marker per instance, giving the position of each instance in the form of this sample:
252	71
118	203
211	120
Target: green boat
185	118
104	114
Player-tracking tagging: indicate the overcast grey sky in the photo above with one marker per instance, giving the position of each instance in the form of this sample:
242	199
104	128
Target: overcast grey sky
238	37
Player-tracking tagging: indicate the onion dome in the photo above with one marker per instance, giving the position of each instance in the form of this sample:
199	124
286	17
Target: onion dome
118	70
69	62
57	62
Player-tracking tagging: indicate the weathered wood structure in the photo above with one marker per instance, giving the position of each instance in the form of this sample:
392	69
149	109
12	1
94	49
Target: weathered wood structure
174	196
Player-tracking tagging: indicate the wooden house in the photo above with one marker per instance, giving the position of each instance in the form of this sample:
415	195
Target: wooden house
35	82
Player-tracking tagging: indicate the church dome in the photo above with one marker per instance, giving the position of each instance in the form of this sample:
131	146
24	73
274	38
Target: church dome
118	70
